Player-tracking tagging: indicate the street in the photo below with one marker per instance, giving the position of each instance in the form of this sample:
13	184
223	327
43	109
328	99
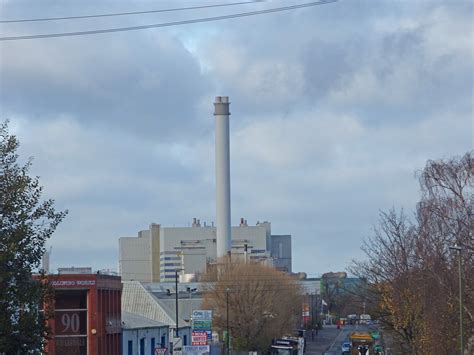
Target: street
330	339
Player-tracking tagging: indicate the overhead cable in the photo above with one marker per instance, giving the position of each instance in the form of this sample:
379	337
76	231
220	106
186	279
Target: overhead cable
129	13
167	24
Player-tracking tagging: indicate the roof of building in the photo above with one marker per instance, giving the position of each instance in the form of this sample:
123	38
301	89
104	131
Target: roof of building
185	306
135	321
136	299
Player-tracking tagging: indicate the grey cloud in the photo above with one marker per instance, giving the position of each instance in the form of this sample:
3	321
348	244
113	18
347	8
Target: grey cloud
149	85
333	109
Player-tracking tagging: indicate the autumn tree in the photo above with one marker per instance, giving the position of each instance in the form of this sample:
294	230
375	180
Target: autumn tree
411	271
26	222
263	303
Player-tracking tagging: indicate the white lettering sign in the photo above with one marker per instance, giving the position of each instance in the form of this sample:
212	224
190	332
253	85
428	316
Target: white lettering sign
68	283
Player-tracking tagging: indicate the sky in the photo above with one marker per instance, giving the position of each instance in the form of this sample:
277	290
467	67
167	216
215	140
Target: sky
334	109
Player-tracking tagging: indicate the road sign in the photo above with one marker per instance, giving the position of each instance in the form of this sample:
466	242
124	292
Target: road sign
160	351
202	325
199	338
196	349
201	314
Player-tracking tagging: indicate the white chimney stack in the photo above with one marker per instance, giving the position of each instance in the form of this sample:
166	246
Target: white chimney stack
221	111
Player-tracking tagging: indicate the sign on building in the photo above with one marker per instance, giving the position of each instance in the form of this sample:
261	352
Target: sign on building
196	349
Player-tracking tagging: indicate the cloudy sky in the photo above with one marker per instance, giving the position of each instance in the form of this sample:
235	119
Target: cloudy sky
334	108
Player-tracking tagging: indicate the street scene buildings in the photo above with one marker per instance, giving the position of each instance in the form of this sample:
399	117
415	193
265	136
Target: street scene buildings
127	176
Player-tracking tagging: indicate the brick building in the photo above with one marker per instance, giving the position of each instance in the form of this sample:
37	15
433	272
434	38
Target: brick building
87	314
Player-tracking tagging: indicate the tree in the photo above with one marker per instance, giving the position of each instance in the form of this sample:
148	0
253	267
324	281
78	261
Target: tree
263	304
26	222
411	272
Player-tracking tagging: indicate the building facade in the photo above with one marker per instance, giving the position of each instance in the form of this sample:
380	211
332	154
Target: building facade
87	314
142	335
156	254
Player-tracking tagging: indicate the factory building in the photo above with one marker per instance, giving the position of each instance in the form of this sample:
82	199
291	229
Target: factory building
155	254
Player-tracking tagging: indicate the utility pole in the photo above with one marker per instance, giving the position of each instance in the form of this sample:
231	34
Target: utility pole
176	300
459	249
227	318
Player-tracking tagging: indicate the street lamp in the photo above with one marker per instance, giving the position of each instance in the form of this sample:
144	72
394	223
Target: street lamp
227	319
176	300
459	249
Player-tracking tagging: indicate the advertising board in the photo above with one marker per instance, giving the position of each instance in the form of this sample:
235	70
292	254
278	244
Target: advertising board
196	349
199	338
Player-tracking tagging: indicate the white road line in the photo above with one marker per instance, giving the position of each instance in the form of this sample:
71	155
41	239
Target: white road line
334	342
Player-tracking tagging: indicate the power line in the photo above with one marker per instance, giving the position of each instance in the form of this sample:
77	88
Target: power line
167	24
129	13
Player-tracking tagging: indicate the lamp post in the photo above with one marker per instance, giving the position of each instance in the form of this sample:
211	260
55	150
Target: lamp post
227	319
458	249
176	299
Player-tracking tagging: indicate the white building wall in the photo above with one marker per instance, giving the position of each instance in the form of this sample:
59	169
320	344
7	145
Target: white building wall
157	252
192	247
135	336
135	258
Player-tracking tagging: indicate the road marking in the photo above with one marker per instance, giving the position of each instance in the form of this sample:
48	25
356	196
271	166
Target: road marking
337	336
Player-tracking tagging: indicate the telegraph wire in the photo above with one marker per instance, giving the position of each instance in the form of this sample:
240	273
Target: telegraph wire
129	13
167	24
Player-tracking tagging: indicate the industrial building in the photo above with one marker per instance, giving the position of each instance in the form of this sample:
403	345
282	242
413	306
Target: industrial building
159	253
156	253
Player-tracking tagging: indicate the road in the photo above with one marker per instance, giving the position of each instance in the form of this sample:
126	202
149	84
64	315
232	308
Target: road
330	339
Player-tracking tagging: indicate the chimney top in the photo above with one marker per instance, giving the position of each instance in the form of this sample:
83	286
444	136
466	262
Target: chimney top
221	106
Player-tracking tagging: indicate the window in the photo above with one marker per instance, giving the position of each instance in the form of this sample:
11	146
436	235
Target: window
130	347
163	341
142	346
152	346
185	340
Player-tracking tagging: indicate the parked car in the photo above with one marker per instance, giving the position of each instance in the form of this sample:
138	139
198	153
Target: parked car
346	348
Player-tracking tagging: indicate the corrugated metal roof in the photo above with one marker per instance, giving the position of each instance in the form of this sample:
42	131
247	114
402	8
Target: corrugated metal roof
185	306
134	321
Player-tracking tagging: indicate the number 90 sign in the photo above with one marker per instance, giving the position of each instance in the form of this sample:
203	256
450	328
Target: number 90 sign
70	322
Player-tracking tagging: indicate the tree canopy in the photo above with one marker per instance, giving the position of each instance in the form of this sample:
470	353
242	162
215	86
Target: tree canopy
263	304
411	268
26	223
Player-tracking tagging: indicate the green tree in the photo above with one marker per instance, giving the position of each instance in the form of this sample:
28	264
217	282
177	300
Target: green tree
26	222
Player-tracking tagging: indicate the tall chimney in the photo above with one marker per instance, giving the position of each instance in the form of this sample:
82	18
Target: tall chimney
223	228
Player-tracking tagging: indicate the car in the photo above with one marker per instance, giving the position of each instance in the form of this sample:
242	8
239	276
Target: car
346	348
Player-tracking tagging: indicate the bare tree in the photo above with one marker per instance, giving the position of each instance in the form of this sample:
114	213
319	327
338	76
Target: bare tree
262	302
411	272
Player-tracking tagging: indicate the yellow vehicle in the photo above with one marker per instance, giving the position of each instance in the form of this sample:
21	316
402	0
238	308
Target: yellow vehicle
362	343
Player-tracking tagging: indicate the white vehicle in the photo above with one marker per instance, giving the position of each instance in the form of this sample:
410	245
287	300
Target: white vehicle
365	318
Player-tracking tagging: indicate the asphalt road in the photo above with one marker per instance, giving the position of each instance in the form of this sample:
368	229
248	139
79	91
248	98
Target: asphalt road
330	339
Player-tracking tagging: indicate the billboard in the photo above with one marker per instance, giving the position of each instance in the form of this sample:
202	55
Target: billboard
202	323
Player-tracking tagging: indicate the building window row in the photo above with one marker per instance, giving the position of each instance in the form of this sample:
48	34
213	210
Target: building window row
170	264
168	253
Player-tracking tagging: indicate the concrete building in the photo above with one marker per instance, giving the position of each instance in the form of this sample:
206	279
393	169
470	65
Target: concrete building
281	252
156	254
141	335
136	255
